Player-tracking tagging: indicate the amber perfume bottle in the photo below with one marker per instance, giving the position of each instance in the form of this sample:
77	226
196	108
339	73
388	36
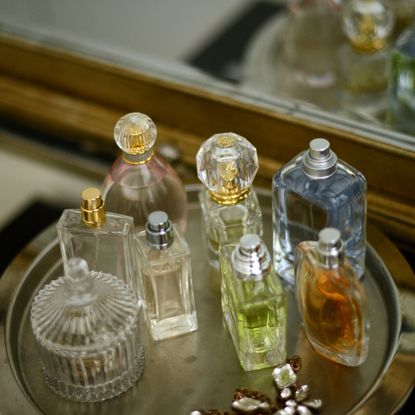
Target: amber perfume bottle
103	239
139	182
227	164
166	279
253	303
363	67
331	300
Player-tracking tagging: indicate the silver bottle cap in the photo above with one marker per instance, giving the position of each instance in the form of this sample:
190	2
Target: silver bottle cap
159	230
319	162
330	247
251	260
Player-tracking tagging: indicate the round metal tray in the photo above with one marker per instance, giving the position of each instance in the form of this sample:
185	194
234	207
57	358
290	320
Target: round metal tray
201	370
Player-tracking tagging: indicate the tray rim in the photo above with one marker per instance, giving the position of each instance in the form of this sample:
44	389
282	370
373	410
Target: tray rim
9	280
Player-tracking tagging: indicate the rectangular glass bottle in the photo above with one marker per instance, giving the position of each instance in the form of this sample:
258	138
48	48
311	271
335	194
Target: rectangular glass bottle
103	239
255	314
166	286
314	191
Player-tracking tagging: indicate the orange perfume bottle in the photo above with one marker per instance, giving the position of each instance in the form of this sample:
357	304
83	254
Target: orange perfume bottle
331	300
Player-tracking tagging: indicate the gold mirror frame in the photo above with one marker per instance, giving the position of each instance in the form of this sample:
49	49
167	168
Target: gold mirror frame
80	98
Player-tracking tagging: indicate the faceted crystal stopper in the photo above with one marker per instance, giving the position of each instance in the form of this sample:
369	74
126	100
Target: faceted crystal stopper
251	260
227	164
135	133
368	23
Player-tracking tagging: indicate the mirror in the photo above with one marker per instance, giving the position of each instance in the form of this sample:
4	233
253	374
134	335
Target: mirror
236	48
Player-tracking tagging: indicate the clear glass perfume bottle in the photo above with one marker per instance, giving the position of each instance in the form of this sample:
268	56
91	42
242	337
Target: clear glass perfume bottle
331	300
402	83
313	191
363	64
166	279
227	164
86	326
140	182
253	303
103	239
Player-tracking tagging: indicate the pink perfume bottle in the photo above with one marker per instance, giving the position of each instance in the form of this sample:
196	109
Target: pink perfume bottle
139	182
331	300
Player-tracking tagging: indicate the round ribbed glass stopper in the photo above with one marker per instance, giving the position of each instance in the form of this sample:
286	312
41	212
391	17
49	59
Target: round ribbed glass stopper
135	133
87	332
368	23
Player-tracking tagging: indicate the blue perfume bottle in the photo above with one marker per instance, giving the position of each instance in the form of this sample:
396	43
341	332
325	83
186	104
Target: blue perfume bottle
313	191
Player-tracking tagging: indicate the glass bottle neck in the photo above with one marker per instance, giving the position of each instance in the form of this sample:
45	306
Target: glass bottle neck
138	158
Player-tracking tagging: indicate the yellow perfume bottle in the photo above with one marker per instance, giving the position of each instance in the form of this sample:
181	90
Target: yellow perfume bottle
139	182
227	164
253	303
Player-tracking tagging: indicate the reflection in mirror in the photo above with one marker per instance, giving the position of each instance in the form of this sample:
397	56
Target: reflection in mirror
328	60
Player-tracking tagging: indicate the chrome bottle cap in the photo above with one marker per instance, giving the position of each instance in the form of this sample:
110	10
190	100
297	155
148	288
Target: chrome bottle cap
319	162
159	230
251	260
330	247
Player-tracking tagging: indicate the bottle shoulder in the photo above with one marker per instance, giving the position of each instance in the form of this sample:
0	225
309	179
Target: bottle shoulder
291	178
178	249
142	175
115	223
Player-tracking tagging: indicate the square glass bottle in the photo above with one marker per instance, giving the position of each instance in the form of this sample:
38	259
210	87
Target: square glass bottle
166	279
103	239
313	191
227	164
253	303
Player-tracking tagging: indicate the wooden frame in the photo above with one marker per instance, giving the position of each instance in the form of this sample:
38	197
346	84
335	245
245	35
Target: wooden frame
76	97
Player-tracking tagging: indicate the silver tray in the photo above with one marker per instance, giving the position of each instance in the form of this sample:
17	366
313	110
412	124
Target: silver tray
201	370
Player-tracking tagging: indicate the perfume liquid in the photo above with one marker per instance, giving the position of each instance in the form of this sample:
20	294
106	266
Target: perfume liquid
167	291
253	304
331	300
314	191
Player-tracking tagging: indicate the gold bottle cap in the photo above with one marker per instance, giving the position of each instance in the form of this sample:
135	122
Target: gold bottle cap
92	207
136	134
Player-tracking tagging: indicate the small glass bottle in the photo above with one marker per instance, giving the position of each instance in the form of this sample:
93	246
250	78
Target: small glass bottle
402	83
86	326
331	300
140	182
166	279
227	164
103	239
313	191
253	303
363	64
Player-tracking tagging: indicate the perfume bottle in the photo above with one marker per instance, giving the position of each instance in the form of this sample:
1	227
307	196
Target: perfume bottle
227	164
363	63
140	182
253	303
166	278
402	83
313	191
86	326
331	300
103	239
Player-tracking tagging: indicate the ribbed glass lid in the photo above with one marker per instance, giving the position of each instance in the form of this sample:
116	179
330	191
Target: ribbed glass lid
84	311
